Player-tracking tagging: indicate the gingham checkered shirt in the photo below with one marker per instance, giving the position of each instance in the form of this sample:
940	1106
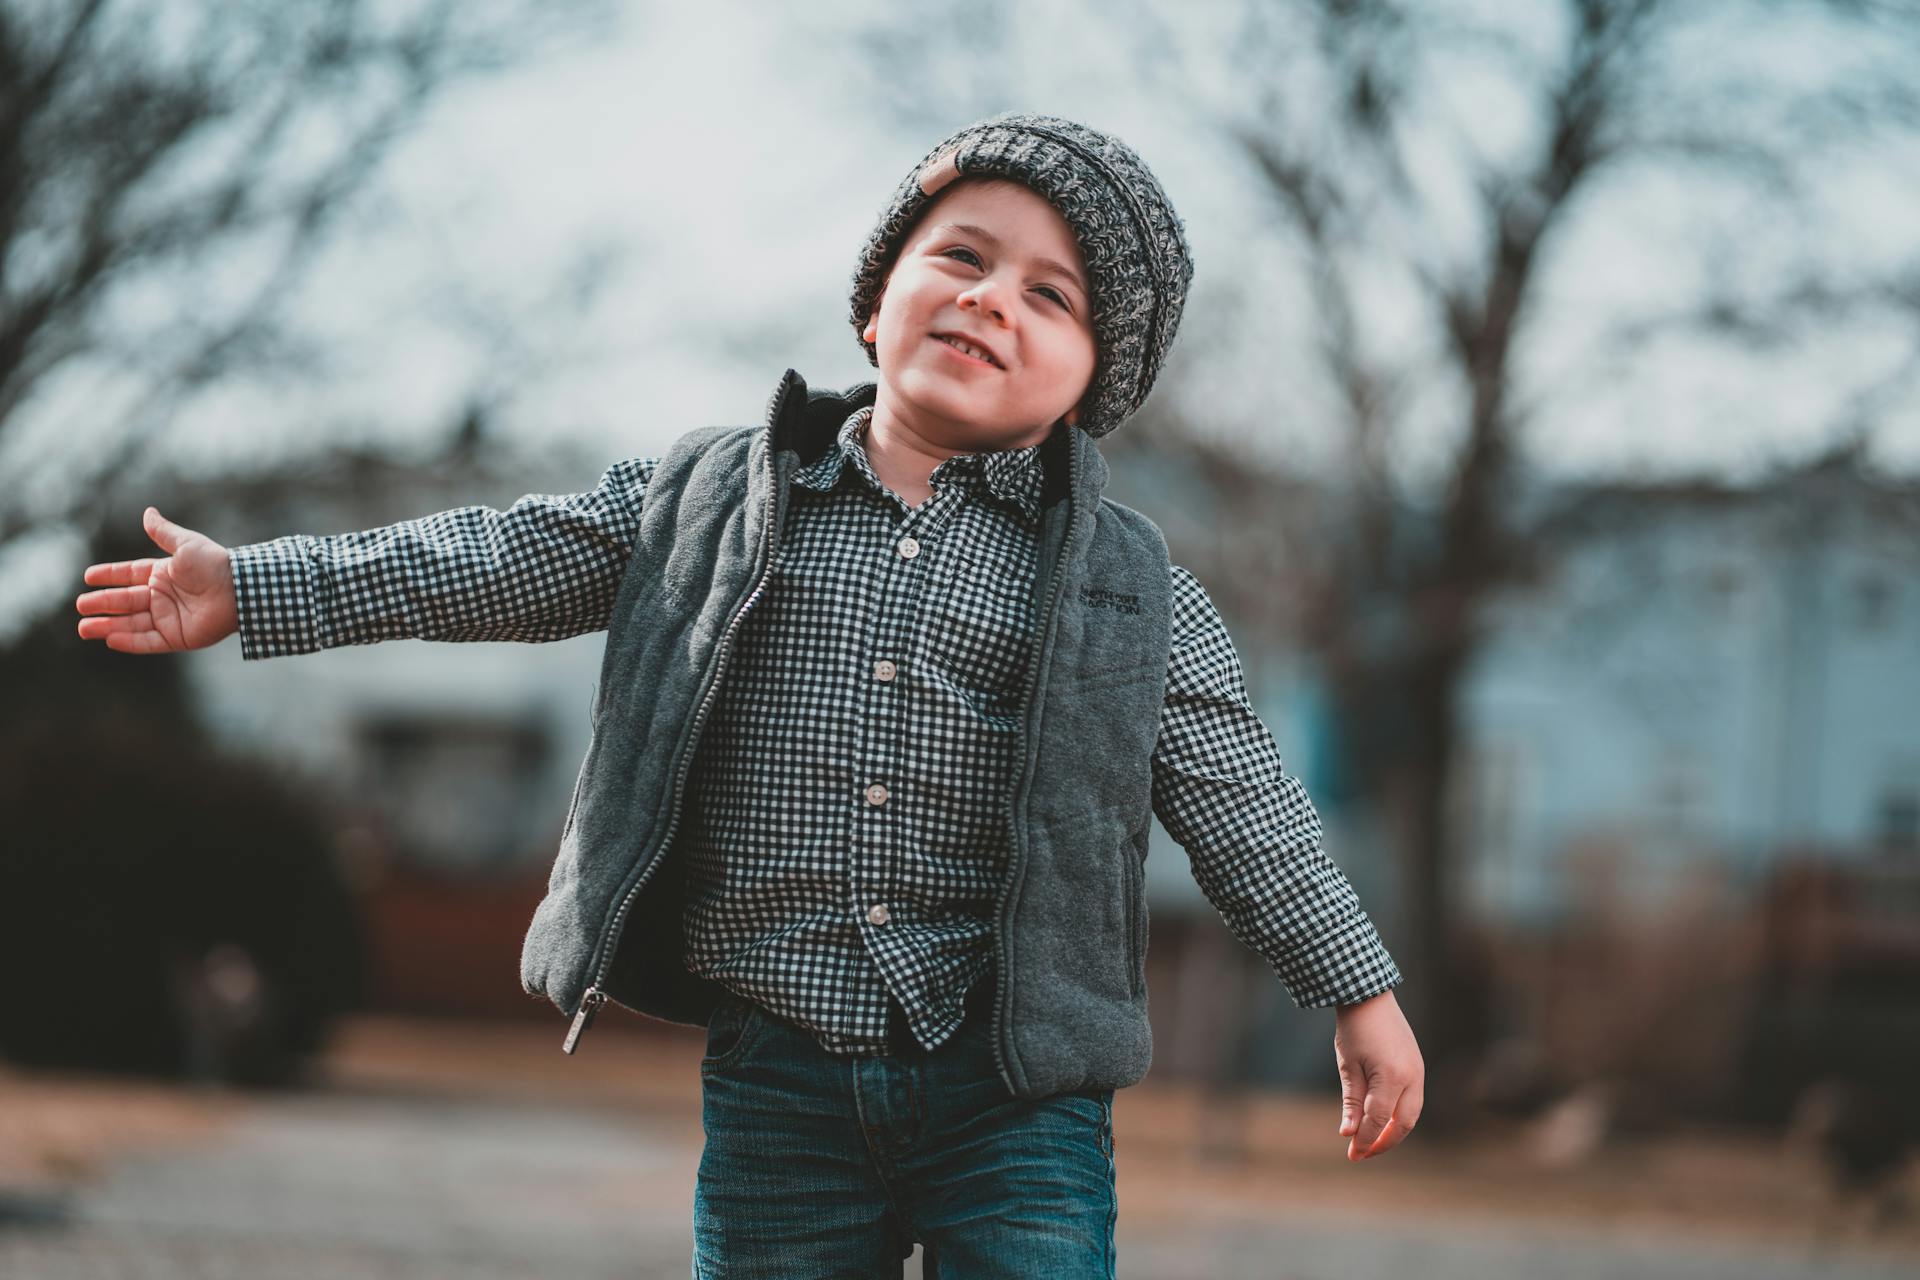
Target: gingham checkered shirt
881	668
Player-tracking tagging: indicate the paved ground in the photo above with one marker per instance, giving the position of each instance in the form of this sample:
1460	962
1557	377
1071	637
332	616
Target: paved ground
485	1153
397	1186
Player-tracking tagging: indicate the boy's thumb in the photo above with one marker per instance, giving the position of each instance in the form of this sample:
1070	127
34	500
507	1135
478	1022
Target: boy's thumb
162	530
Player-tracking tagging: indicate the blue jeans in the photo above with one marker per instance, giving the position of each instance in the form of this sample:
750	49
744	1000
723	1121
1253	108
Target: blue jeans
820	1167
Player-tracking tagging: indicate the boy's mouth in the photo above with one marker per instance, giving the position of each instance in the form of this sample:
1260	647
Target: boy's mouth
971	351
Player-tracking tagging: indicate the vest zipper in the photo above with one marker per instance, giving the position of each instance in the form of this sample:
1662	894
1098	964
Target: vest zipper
1001	981
596	995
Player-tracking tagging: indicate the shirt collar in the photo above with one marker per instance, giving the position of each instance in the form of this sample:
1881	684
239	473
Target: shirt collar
1012	475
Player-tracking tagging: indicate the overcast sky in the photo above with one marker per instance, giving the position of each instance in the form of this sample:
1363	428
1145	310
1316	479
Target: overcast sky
711	171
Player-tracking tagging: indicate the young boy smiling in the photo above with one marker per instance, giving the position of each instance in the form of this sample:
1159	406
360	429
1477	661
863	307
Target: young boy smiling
890	692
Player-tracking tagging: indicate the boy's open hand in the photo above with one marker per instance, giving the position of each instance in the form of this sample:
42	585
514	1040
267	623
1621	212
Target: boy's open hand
1382	1076
162	606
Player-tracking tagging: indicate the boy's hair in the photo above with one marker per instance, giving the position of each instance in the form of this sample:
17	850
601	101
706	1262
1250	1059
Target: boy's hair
1132	240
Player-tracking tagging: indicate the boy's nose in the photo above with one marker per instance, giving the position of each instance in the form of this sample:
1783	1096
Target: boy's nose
978	298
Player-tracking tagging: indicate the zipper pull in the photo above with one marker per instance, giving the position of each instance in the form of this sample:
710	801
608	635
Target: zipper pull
589	1005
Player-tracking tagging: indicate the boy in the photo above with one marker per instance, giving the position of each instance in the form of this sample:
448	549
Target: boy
889	693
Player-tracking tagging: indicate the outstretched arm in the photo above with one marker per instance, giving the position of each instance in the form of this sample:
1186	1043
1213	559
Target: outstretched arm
1253	840
546	568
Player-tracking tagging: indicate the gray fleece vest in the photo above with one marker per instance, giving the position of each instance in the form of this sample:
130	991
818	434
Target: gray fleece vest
1070	928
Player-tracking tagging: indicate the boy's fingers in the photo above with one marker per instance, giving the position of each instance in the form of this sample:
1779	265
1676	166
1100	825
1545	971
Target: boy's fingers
1388	1138
160	529
1405	1113
119	573
125	624
120	600
1375	1115
147	641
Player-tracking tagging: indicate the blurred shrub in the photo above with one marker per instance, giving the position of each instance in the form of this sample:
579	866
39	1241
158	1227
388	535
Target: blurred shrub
164	908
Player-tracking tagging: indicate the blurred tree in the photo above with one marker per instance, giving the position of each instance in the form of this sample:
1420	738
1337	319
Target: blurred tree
138	140
1400	224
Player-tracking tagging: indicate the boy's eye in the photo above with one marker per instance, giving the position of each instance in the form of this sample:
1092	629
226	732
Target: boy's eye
1051	292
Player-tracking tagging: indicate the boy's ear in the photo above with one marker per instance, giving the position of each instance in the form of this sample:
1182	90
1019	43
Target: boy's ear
872	332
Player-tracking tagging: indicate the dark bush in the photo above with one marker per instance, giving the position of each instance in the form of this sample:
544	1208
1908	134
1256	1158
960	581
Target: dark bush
165	909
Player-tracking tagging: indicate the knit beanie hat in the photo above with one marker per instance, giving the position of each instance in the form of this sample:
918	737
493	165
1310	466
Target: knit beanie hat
1133	243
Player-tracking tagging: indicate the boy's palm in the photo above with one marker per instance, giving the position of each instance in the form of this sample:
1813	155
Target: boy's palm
162	606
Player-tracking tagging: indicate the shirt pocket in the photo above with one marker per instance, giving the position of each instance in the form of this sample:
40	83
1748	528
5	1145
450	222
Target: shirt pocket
980	632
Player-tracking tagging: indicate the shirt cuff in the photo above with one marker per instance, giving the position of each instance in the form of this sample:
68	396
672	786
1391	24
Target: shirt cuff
1346	966
273	598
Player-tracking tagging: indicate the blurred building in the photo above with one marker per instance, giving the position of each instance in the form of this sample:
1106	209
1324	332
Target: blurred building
1711	676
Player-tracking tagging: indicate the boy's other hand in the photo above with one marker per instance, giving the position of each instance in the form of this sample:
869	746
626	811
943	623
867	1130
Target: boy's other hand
1383	1078
162	606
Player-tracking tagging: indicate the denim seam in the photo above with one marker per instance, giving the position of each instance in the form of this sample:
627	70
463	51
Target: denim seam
1113	1186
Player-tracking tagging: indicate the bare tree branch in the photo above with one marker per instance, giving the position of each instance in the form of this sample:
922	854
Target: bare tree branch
123	155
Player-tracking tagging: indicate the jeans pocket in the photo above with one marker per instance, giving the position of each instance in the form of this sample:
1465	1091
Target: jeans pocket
731	1031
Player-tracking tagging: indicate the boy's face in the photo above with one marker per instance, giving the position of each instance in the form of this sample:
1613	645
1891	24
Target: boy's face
996	266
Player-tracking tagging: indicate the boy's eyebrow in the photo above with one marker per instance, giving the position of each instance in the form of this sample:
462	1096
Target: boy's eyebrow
993	241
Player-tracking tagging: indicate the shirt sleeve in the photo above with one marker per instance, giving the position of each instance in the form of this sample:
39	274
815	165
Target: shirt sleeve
1249	829
546	568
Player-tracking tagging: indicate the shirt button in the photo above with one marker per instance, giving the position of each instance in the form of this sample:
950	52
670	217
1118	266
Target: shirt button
883	670
876	794
878	913
909	548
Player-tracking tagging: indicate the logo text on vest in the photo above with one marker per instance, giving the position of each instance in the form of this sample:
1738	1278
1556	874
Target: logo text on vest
1101	598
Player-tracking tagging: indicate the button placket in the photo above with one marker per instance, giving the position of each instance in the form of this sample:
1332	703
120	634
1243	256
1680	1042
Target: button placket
901	591
870	853
902	587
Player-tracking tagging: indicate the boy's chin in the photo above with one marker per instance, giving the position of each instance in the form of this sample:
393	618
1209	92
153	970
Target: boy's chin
946	408
948	414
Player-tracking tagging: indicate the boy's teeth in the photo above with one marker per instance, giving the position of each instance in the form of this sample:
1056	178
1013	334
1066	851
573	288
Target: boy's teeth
973	351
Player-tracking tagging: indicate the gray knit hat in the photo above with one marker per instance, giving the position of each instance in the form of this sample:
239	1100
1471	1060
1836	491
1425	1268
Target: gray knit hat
1133	242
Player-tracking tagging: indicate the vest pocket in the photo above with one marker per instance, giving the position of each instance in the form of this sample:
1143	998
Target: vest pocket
1135	874
579	782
